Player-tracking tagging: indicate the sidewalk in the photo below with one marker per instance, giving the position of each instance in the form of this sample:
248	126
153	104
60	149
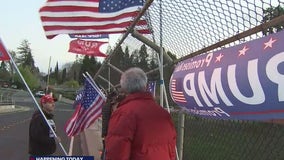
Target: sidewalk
66	100
12	108
16	108
90	139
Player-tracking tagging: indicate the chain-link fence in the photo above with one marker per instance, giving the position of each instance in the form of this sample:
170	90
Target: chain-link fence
209	139
187	28
190	26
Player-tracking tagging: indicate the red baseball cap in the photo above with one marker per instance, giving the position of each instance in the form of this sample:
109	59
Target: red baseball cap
47	99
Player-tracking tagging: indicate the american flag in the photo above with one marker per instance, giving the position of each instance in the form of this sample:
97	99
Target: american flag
78	98
152	87
90	16
177	96
3	52
88	110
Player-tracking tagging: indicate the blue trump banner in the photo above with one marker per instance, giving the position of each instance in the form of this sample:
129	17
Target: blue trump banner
244	82
62	158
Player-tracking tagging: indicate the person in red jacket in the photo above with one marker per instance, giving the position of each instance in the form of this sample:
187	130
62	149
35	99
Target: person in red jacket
139	129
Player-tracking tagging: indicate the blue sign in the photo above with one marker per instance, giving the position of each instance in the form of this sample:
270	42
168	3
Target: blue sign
89	36
244	82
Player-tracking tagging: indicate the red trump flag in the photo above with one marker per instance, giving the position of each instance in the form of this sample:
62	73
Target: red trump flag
90	16
3	52
91	48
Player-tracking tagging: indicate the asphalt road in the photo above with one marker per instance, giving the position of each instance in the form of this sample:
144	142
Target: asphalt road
14	128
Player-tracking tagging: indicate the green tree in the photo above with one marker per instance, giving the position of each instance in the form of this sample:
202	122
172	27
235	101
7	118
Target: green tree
153	64
134	58
25	57
72	70
30	78
117	61
56	72
125	59
75	76
143	58
4	73
269	14
94	65
85	67
90	65
13	54
71	84
63	78
153	61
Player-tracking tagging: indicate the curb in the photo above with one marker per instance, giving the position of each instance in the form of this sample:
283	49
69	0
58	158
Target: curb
15	109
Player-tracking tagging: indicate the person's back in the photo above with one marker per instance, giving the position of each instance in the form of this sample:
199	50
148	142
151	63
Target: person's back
140	130
155	134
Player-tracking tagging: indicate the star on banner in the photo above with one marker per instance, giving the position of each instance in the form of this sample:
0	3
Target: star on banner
218	58
269	43
242	52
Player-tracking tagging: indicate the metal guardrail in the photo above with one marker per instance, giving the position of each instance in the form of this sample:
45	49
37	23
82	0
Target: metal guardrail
6	96
7	103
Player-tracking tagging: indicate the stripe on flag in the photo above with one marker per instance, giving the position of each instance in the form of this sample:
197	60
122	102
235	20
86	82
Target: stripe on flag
90	17
87	111
177	96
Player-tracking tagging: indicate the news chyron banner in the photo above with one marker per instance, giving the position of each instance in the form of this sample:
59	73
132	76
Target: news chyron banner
243	82
61	158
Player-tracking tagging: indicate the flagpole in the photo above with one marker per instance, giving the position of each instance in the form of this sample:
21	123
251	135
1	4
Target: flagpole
30	92
94	84
71	146
48	74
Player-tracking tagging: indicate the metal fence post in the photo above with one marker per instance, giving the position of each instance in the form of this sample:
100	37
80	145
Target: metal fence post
180	133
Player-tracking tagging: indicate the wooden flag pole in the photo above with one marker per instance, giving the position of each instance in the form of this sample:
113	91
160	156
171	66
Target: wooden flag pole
71	146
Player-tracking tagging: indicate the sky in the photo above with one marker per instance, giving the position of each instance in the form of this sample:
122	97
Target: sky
20	20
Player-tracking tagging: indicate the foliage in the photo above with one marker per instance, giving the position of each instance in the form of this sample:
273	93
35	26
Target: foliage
90	65
56	72
271	13
126	59
117	61
63	78
25	57
71	74
4	74
31	79
214	139
143	58
25	62
71	84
